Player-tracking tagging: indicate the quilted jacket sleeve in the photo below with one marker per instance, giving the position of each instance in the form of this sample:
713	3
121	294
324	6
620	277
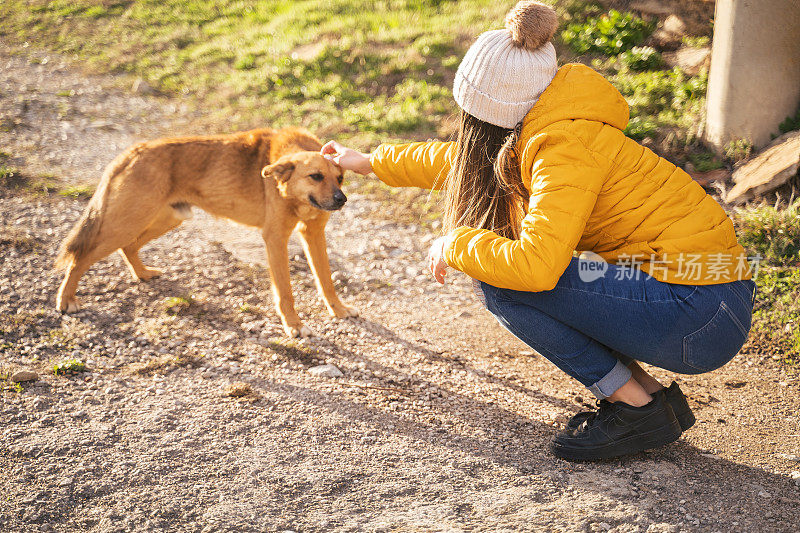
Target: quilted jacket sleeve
566	178
419	164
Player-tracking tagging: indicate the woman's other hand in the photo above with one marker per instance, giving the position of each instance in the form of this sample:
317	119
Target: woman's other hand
436	264
347	158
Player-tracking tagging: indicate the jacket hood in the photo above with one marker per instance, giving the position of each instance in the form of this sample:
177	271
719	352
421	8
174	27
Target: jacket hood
577	92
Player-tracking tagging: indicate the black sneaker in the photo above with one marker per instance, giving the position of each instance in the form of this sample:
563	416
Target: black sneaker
675	399
680	406
619	429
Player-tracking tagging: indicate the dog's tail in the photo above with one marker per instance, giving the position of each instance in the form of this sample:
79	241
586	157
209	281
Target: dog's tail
83	236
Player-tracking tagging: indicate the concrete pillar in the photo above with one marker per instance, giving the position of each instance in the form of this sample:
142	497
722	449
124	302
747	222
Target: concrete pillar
754	82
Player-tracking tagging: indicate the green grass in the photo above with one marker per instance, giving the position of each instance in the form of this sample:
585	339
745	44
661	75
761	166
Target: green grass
362	72
641	58
776	317
774	236
77	191
791	123
5	381
738	150
609	34
9	176
706	161
175	305
661	99
346	67
45	185
70	366
696	41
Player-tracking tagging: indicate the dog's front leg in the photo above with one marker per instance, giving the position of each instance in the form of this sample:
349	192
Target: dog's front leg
277	242
313	237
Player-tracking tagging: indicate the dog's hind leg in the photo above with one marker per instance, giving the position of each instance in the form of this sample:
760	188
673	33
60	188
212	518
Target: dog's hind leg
167	219
313	237
126	215
66	300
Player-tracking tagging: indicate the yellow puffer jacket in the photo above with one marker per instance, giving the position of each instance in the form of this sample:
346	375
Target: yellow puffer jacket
592	189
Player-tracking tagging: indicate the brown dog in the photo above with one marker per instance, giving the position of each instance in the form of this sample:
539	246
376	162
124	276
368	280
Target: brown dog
273	180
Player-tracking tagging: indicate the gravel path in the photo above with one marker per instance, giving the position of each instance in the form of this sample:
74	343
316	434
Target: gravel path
439	422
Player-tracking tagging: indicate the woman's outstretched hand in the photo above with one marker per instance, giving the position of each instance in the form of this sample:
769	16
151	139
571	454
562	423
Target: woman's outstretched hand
436	264
347	158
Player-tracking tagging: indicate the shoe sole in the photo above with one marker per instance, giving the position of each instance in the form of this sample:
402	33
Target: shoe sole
627	446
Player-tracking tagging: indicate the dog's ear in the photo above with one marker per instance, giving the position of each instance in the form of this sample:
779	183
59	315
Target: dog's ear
280	171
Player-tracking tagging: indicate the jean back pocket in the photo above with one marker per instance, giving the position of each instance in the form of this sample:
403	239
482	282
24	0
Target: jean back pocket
717	342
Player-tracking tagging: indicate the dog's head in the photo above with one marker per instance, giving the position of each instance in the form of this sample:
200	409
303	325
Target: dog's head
308	178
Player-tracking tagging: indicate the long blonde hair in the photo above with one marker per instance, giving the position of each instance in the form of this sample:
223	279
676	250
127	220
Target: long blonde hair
484	188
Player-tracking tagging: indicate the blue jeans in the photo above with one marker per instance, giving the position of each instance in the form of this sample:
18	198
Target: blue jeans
592	330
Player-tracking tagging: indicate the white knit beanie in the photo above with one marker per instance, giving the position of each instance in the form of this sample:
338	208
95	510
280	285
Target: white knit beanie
505	71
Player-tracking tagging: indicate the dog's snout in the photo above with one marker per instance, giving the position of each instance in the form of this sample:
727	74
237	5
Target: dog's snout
339	197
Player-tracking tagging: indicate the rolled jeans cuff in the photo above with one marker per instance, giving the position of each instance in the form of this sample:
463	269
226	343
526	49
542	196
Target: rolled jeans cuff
608	384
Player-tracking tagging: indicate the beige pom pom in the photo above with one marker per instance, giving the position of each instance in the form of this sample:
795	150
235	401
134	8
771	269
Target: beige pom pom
532	24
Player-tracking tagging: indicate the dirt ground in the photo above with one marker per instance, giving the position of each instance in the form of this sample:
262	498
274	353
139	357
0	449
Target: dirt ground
439	423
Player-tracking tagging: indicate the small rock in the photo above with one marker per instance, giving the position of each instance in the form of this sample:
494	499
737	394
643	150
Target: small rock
24	375
325	371
669	35
674	24
690	60
789	457
142	87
